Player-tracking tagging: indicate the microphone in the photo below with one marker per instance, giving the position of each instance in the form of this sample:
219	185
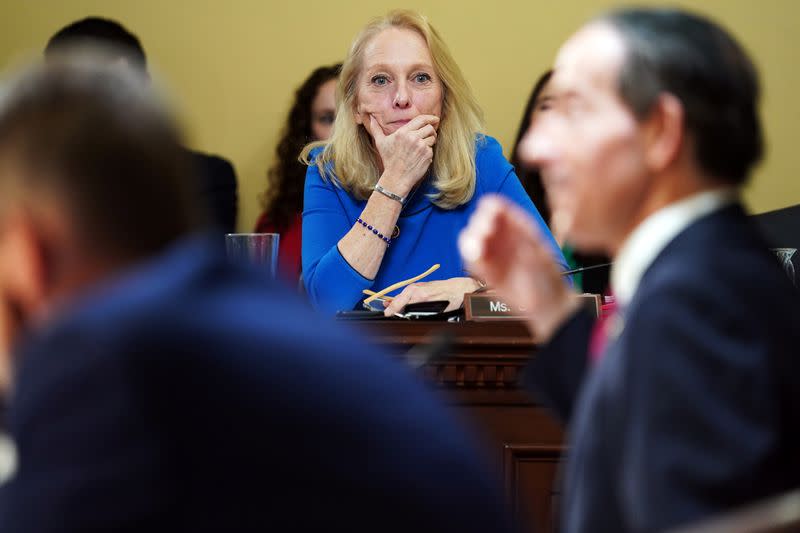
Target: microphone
486	288
584	269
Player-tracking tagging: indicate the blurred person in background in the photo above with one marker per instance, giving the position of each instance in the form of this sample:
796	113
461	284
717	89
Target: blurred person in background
214	177
310	119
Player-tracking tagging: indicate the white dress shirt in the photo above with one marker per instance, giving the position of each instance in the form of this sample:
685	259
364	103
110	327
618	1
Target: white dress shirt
650	237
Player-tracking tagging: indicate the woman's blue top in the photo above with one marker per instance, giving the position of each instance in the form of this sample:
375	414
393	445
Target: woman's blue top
428	233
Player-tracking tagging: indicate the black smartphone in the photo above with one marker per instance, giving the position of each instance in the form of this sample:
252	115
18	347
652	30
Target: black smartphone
433	307
359	314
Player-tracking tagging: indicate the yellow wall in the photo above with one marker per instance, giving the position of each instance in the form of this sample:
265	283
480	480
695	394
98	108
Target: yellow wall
232	65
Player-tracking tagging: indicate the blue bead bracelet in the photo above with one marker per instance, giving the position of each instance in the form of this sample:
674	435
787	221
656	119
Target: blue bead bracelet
383	237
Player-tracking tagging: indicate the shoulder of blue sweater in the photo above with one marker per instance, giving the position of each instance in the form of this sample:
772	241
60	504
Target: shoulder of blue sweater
313	169
485	142
490	162
487	147
312	155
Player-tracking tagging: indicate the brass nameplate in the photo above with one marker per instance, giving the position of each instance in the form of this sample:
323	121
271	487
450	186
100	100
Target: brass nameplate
487	306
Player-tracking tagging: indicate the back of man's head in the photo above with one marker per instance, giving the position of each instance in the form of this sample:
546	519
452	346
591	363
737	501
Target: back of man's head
695	60
92	32
90	136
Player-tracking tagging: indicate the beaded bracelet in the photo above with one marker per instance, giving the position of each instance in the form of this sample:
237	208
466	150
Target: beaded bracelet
383	237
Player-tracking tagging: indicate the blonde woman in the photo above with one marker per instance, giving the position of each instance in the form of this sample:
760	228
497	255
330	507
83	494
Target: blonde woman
387	195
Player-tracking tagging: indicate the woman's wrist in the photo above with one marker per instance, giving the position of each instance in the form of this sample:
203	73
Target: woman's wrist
389	194
393	184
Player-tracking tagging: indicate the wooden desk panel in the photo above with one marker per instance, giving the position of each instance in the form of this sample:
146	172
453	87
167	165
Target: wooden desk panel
479	379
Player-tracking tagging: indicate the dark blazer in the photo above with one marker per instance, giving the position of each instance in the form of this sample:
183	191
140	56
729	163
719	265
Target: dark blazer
191	395
217	189
694	407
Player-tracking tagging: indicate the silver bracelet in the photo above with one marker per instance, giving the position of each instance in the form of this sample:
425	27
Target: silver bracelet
389	194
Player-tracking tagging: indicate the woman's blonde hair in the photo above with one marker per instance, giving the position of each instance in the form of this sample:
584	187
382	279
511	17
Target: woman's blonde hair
350	152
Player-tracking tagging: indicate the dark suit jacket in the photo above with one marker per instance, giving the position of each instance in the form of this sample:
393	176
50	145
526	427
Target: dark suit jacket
781	227
191	395
216	189
694	408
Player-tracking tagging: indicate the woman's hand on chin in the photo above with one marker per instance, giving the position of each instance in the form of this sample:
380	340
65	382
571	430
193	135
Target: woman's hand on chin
407	153
452	290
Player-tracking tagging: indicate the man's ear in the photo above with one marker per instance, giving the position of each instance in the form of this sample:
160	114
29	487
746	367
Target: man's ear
24	263
664	133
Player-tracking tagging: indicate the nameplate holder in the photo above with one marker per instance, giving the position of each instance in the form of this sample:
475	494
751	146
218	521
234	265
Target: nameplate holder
488	306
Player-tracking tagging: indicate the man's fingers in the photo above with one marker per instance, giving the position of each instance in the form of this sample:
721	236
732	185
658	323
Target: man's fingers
514	228
483	247
502	245
521	221
481	229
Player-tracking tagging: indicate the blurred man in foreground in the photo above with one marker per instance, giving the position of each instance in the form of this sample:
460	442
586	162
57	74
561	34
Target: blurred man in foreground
684	403
157	387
